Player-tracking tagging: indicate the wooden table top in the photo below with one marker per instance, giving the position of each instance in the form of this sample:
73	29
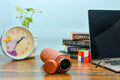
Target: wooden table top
32	69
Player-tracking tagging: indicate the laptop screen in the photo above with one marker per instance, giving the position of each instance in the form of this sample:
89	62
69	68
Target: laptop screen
104	28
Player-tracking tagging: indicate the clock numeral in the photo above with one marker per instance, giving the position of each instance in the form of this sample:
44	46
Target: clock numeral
12	32
8	36
26	48
17	31
23	32
28	43
27	37
17	53
22	52
8	47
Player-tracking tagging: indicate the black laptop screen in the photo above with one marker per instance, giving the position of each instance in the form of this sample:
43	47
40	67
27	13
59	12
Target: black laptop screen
104	28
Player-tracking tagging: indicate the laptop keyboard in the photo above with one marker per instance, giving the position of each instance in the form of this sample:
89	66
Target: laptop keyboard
114	62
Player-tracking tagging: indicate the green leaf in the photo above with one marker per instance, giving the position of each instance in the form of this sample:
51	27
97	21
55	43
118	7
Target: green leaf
20	10
17	16
33	10
27	21
36	11
21	16
29	9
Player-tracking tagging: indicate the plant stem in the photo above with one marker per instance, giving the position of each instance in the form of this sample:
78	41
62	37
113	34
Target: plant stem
32	14
28	25
29	22
26	15
21	17
20	21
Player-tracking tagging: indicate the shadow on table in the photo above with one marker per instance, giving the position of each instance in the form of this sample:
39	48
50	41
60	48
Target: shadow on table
58	76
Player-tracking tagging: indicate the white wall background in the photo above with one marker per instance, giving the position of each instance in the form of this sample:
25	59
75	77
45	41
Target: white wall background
59	17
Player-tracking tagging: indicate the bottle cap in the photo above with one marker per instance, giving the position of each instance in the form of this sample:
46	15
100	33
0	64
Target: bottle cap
50	66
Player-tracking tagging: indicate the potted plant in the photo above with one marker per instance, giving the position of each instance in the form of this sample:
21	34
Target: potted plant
25	18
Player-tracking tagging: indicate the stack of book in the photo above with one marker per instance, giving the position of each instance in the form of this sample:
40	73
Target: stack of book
76	42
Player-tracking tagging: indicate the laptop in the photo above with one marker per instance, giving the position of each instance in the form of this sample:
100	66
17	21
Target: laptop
104	28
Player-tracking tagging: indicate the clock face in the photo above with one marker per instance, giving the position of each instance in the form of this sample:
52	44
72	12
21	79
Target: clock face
17	42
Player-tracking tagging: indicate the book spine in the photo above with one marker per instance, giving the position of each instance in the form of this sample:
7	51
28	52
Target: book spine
74	49
76	43
67	48
79	36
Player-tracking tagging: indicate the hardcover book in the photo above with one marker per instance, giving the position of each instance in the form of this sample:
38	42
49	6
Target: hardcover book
82	43
72	55
74	49
79	36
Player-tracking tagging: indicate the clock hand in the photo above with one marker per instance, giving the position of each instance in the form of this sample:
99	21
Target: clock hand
18	42
21	39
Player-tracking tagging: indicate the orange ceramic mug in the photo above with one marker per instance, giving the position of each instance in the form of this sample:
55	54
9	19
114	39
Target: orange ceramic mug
55	61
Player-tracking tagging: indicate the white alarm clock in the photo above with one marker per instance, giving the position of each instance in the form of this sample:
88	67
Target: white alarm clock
17	42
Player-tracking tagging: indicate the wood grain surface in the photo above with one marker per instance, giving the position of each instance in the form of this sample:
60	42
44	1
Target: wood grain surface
32	69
